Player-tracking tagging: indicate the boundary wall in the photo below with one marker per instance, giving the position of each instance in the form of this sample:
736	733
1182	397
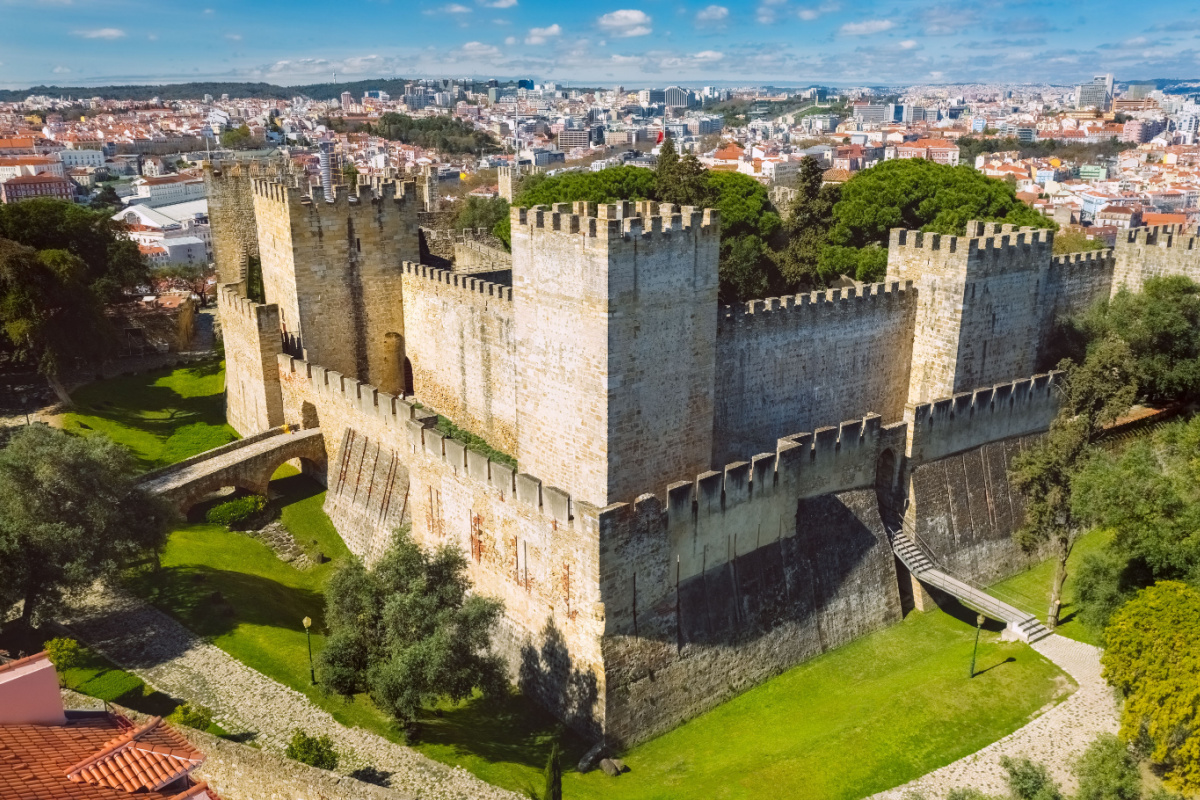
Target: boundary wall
252	342
461	344
1155	252
794	362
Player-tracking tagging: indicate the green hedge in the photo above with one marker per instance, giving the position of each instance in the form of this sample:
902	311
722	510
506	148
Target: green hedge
238	510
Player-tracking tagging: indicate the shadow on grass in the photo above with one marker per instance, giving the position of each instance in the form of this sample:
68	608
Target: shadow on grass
212	602
508	729
952	607
1009	660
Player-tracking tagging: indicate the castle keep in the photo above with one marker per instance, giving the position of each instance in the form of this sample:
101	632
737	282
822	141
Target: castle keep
703	495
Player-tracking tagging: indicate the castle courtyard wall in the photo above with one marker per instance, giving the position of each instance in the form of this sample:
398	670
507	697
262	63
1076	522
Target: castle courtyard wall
1155	252
460	339
252	343
231	218
799	362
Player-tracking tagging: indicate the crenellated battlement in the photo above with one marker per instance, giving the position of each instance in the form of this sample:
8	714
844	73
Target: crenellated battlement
800	307
624	220
970	419
1101	259
1175	236
459	281
991	243
377	191
417	425
231	301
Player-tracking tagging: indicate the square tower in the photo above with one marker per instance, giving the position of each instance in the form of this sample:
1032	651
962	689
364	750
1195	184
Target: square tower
334	266
616	323
979	316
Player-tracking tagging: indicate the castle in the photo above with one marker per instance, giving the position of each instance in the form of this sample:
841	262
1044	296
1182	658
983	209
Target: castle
703	495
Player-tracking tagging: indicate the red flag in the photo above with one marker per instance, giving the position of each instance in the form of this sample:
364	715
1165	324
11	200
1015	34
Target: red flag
660	138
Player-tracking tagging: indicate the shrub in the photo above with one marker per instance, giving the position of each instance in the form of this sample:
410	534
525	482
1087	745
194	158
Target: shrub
316	751
238	510
65	653
1030	781
1108	771
193	716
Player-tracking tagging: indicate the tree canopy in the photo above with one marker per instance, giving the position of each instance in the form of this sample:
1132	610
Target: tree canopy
70	513
1152	657
408	632
446	134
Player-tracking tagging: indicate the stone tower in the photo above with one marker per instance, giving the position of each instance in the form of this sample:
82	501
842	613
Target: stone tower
616	323
231	215
978	311
334	267
504	176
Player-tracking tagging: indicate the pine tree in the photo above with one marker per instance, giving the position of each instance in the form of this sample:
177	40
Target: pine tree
667	166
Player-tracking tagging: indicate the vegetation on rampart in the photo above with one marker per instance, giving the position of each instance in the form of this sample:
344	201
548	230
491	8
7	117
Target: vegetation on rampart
446	134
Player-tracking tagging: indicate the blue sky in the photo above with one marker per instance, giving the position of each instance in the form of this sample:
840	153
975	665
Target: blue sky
656	42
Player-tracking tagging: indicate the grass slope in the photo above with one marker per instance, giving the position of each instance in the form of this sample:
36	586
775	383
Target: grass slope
1030	590
162	416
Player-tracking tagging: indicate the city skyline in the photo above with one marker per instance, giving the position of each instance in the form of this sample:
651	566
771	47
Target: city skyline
650	42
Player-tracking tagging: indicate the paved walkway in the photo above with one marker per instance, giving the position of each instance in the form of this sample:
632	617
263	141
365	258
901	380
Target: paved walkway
1055	739
171	659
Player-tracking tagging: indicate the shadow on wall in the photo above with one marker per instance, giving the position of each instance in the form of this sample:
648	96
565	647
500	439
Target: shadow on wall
546	673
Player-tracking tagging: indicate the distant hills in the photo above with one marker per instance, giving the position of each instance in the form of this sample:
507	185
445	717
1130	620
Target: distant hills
193	91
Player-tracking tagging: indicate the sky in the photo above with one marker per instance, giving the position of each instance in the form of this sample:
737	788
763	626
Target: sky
631	42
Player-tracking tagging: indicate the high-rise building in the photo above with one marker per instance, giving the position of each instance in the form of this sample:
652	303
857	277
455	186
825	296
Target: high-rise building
1097	94
649	97
678	97
1139	91
347	99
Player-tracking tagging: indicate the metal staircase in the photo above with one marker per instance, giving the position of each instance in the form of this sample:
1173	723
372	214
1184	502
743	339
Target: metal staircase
1025	626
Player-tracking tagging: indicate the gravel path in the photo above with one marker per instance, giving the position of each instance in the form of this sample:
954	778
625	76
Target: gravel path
170	658
1055	739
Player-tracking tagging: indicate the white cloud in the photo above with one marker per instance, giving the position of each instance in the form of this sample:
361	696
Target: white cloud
236	37
936	75
152	37
809	14
208	11
712	15
867	27
499	3
908	44
479	50
626	22
619	59
540	35
101	33
61	70
708	56
1135	41
510	40
455	8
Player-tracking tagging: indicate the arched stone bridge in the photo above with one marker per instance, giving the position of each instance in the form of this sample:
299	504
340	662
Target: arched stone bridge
246	464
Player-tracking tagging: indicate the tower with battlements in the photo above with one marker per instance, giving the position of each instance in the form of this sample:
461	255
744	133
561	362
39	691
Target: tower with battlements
334	266
615	312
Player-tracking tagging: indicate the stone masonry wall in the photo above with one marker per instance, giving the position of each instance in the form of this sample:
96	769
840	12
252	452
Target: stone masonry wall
1155	252
252	343
1073	283
460	338
978	315
231	217
795	363
529	545
616	336
334	269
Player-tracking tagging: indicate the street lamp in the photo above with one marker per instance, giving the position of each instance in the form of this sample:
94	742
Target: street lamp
312	673
978	627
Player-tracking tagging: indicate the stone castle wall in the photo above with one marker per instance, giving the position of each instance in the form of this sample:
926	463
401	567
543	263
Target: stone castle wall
231	218
460	338
1154	253
854	361
252	342
530	545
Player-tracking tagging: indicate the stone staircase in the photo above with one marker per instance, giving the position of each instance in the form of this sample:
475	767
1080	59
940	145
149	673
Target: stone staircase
1025	626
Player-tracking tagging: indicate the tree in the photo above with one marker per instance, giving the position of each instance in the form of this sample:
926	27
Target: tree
239	138
1153	659
408	632
553	774
194	276
667	163
316	751
106	199
64	654
1094	393
1076	241
114	262
350	173
193	716
71	512
447	134
48	312
1029	781
481	212
807	223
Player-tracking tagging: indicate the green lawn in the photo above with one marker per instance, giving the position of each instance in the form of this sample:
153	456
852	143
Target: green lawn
162	416
1030	590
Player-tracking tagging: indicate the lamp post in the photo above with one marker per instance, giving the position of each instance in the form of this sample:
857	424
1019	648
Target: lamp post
978	627
312	673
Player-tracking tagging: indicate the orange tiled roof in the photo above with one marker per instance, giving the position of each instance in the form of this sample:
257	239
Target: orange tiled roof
138	760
